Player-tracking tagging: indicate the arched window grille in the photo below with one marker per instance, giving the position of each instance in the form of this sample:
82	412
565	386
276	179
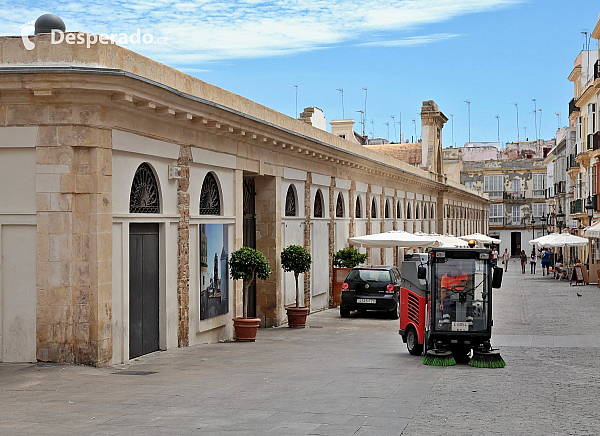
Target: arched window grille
358	210
318	204
339	207
408	212
210	199
373	209
387	208
398	210
432	211
290	202
417	211
145	195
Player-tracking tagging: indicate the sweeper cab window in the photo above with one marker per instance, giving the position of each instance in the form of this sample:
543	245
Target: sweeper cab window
461	293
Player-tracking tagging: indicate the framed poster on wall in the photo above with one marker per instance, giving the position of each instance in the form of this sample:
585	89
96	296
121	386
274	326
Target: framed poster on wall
214	270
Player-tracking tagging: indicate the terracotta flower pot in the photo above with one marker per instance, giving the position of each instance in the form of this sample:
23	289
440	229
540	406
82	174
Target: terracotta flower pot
297	316
245	329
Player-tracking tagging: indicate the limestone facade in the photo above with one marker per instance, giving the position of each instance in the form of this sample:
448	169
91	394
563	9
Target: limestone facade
77	123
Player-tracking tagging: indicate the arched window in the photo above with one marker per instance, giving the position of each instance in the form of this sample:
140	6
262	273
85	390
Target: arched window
318	204
373	208
387	208
408	212
145	195
417	211
210	198
358	209
339	206
425	210
432	211
447	211
398	210
290	201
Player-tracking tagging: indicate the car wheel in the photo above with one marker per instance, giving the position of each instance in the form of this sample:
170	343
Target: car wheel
344	313
412	342
395	312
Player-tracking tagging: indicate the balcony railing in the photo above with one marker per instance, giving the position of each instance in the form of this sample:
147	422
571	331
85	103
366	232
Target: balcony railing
513	195
573	106
577	206
539	193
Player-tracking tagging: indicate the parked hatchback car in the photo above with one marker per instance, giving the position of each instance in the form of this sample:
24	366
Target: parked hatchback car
371	288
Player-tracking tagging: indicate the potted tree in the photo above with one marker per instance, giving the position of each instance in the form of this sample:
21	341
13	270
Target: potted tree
247	264
296	259
343	261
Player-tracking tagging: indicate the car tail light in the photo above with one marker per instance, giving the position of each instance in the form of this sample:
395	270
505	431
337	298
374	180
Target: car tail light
390	288
345	286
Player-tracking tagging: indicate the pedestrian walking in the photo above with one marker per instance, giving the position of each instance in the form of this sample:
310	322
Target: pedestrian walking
495	256
523	257
505	259
545	261
533	260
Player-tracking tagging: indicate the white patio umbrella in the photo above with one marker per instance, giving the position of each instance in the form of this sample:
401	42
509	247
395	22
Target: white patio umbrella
480	238
541	241
448	241
593	231
567	240
394	238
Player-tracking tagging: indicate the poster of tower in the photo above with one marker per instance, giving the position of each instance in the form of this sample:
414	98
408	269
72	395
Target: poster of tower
214	267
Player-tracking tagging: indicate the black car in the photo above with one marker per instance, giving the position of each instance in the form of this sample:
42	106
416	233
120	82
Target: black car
371	288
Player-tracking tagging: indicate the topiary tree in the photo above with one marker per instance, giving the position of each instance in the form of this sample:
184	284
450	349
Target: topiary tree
297	259
348	258
247	264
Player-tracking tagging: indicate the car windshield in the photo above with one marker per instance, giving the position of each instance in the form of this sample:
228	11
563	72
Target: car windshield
461	295
370	275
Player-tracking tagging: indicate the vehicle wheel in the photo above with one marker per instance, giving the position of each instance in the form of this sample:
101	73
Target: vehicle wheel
395	313
412	342
344	313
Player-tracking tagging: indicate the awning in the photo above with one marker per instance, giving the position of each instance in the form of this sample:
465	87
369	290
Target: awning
593	231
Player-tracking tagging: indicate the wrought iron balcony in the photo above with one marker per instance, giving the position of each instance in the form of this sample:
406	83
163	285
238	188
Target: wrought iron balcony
514	195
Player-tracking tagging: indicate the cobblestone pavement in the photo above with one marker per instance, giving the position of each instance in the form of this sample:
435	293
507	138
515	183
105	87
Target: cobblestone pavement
338	377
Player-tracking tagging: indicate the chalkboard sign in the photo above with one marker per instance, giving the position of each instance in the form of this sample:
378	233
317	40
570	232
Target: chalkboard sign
577	275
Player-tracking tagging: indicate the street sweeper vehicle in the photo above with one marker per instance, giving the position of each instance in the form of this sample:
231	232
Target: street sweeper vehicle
446	306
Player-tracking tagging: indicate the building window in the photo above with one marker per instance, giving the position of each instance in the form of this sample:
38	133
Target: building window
342	136
418	211
210	200
494	186
290	201
539	209
432	211
373	208
357	210
496	214
339	207
144	196
539	185
408	212
398	210
387	208
469	185
425	210
318	204
516	215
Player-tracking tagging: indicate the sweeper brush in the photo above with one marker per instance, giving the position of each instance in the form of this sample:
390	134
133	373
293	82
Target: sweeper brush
487	359
439	358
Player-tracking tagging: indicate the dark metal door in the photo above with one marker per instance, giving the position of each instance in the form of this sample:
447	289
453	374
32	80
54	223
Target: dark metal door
250	234
143	289
515	243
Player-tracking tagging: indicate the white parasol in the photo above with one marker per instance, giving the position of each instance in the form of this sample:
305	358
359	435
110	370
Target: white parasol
394	238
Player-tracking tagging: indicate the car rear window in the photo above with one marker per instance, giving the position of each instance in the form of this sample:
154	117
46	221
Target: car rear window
370	275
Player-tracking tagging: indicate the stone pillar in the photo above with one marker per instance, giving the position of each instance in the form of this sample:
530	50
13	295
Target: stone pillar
74	245
382	225
269	299
331	237
183	246
351	208
395	210
368	212
238	302
307	244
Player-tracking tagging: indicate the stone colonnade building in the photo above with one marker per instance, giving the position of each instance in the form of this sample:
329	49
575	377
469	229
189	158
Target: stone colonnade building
126	184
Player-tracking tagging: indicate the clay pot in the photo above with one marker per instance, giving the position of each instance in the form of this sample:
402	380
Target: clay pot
245	329
297	316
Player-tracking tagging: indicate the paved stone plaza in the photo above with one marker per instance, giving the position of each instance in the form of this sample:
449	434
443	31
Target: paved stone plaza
339	377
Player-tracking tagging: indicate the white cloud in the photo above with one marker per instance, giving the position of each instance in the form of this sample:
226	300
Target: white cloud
205	30
412	40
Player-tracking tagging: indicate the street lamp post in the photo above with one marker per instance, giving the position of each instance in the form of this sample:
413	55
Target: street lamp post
589	209
533	227
560	218
543	219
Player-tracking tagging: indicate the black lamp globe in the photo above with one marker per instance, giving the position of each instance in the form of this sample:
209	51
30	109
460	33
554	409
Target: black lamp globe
589	208
48	22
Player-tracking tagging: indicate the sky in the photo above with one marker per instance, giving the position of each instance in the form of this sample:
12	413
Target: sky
492	53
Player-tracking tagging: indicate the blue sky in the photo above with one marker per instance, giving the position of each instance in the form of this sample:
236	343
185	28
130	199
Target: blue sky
491	52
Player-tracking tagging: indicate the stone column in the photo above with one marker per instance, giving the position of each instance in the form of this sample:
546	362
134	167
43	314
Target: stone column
269	299
307	244
238	303
368	212
351	208
183	246
382	225
331	237
395	210
74	245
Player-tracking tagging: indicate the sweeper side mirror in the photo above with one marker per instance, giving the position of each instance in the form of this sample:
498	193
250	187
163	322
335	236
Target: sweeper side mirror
422	273
497	277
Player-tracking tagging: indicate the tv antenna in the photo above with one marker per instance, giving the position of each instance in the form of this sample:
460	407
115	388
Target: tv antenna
342	92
